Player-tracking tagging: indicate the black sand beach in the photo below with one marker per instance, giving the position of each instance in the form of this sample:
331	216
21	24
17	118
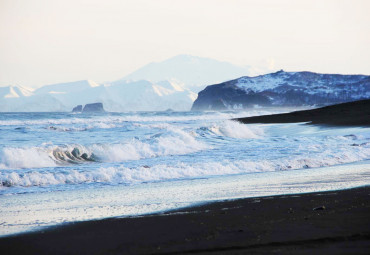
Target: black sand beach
335	222
355	113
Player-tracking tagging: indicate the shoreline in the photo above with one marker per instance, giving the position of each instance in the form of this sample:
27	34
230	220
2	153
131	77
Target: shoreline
356	113
325	222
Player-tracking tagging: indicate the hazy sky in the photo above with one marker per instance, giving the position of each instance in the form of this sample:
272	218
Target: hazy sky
45	41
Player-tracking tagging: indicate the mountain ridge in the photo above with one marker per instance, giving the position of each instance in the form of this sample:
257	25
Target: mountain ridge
172	89
190	71
125	96
283	89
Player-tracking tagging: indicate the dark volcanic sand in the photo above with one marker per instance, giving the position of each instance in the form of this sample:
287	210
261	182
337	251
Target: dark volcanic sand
346	114
279	224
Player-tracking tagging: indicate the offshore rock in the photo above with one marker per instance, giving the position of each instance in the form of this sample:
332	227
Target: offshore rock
95	107
78	108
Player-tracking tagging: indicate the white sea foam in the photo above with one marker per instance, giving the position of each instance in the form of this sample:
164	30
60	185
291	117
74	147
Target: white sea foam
176	142
235	129
25	158
160	172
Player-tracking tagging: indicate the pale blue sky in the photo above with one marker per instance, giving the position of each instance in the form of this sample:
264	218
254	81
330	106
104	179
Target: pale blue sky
45	41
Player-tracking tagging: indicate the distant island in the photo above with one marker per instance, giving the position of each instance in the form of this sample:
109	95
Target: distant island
95	107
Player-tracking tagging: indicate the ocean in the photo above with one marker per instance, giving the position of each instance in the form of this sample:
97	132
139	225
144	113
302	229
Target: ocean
57	168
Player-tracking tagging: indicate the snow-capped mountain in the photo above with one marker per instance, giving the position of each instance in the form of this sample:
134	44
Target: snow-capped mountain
69	87
148	96
15	92
171	84
118	96
188	71
155	87
284	89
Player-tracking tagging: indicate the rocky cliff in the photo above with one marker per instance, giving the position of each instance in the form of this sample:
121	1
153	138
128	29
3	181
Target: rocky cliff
283	89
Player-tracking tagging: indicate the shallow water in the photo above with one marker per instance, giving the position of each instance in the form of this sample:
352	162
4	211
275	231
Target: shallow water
63	167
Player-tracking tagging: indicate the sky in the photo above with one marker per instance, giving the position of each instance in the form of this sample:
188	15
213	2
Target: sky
46	41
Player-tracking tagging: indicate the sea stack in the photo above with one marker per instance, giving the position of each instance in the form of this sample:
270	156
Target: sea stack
95	107
78	108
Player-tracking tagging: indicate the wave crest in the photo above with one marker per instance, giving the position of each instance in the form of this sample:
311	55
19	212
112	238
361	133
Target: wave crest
234	129
162	172
177	142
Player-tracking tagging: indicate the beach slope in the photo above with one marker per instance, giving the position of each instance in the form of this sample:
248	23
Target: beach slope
317	223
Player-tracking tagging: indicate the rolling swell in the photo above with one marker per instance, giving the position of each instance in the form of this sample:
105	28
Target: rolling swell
162	172
51	156
177	142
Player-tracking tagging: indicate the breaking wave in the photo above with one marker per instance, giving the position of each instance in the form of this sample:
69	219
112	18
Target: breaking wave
235	129
178	142
161	172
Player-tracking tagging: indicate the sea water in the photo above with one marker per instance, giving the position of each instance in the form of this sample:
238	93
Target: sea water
63	167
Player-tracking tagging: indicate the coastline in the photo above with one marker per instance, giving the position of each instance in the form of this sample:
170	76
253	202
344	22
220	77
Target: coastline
320	222
355	113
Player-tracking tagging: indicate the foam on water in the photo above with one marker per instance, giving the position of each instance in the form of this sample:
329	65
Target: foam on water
162	172
32	211
235	129
25	158
176	142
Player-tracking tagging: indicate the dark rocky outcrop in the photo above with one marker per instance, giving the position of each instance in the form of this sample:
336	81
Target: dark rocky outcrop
347	114
95	107
283	89
78	108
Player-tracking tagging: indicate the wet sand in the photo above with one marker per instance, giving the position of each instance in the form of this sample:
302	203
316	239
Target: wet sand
335	222
355	113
